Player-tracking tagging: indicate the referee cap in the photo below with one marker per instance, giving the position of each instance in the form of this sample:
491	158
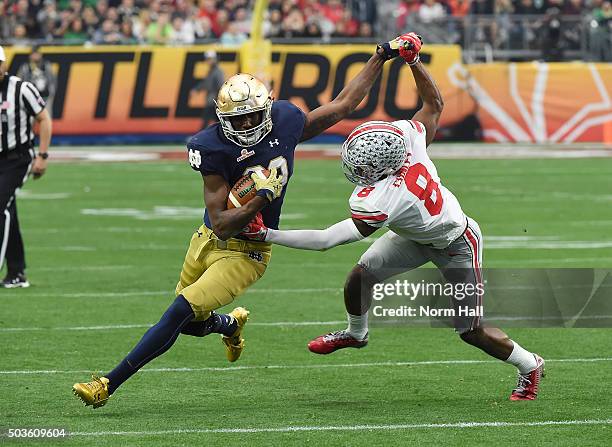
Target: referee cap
2	55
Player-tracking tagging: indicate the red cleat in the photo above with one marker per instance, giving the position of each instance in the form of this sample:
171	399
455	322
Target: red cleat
328	343
528	384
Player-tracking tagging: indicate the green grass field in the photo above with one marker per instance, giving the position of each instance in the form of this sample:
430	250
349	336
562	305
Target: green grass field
105	243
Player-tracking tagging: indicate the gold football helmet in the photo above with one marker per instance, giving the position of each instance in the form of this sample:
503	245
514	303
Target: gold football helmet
242	94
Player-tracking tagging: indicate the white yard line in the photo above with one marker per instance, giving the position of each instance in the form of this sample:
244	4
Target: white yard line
361	427
95	294
86	268
63	248
68	229
437	151
500	244
550	262
269	291
491	243
547	245
309	366
108	327
25	194
163	293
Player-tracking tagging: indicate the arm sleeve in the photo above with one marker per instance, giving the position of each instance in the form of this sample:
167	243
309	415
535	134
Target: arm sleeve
341	233
32	99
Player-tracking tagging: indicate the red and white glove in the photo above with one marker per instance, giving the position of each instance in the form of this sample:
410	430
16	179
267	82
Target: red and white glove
407	46
256	230
410	47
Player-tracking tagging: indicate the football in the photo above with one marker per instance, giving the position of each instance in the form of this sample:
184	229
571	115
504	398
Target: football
244	189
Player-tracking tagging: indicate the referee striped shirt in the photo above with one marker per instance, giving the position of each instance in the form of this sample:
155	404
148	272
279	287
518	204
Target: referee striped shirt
20	102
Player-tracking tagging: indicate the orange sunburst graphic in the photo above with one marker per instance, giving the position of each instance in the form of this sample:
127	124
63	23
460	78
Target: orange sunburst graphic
539	102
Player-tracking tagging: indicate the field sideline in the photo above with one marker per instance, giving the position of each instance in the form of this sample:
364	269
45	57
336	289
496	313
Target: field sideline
105	242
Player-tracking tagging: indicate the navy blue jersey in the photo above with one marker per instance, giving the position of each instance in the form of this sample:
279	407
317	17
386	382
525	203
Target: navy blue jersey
210	152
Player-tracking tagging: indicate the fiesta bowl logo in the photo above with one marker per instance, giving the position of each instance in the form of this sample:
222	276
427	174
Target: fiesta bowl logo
539	102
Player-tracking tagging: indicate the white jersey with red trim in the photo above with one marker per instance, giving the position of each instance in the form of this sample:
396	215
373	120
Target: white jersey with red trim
412	203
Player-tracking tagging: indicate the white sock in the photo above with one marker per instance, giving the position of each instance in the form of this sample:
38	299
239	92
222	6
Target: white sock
521	358
357	325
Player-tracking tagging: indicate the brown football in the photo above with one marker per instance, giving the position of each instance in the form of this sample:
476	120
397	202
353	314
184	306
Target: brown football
244	190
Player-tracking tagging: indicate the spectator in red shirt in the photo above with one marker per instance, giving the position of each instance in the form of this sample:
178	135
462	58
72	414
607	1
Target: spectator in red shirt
221	22
333	10
350	25
459	8
208	9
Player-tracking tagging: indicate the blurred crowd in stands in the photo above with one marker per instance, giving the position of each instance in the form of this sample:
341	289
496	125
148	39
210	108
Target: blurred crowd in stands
178	21
549	25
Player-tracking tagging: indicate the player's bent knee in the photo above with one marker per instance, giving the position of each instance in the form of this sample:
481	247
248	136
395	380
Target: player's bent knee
205	300
357	290
471	337
360	276
221	283
353	278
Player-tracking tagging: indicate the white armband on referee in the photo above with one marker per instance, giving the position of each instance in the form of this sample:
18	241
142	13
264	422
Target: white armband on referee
338	234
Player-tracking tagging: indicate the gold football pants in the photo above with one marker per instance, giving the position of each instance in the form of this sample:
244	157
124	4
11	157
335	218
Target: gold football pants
215	272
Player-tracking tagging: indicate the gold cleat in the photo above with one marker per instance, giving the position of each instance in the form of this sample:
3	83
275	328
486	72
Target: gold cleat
92	393
235	343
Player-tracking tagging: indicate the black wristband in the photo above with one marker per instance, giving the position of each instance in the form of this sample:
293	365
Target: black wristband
43	155
387	52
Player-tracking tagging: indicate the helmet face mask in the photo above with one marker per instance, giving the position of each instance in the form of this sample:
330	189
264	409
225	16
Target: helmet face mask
240	95
372	151
359	175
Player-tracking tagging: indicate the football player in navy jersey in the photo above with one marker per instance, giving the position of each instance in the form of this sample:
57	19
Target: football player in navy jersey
254	133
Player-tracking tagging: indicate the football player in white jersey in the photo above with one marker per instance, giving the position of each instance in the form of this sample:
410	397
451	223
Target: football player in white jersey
398	187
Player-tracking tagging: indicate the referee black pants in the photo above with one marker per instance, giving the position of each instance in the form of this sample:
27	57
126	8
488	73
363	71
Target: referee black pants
14	170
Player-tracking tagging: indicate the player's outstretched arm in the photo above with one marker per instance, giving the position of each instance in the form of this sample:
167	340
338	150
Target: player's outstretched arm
324	117
347	231
433	104
228	223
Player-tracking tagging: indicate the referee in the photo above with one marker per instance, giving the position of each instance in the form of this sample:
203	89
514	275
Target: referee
20	105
